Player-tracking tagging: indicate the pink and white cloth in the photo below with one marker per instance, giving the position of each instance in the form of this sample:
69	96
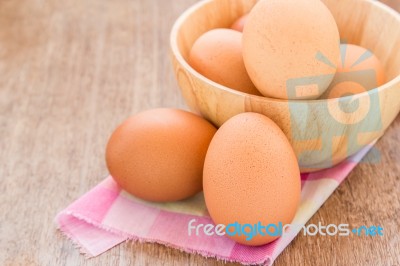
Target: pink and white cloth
107	216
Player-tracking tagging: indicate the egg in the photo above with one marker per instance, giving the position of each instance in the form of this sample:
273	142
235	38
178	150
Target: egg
158	155
217	55
291	48
359	70
251	175
238	25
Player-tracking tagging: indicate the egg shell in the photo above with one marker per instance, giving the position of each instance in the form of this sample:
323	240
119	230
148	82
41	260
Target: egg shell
251	175
291	48
359	70
238	25
217	55
158	155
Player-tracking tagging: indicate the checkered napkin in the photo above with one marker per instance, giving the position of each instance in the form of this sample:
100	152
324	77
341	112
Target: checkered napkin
107	216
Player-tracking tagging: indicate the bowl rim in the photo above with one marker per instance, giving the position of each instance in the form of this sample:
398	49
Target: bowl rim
179	57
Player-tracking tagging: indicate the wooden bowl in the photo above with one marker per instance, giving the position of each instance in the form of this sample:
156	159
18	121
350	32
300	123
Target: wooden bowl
322	132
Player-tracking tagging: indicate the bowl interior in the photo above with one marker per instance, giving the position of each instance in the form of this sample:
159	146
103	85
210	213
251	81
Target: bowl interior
365	23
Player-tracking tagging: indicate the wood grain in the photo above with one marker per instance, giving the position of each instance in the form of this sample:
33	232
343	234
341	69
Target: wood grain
70	71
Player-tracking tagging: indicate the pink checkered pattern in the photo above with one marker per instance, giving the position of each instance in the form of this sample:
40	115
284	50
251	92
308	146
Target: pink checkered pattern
106	216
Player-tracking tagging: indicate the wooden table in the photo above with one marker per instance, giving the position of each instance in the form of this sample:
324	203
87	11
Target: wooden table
70	71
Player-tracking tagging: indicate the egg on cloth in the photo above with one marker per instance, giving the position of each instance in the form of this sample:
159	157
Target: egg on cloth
291	48
158	155
217	55
251	175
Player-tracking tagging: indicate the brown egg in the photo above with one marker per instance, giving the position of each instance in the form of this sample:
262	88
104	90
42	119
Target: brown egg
158	155
217	55
238	25
251	175
291	48
359	70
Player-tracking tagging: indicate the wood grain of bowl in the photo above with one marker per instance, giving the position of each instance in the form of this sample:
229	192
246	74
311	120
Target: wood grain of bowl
322	132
